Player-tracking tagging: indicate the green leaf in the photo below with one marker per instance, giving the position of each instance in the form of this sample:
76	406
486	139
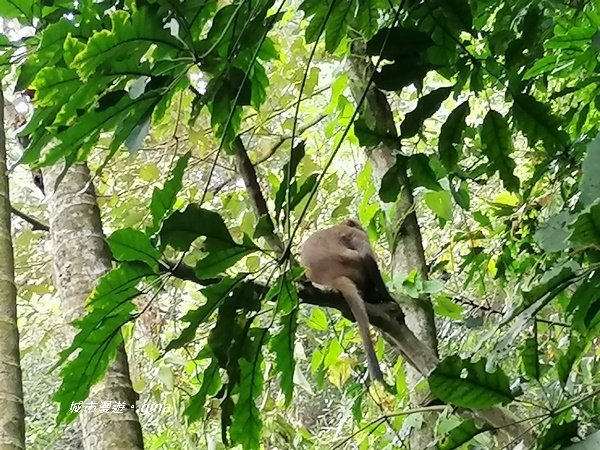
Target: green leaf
551	283
478	389
110	307
443	306
426	107
318	320
215	295
421	172
557	436
390	182
211	381
530	359
541	66
220	259
538	124
337	23
367	17
184	227
590	181
133	245
440	202
401	42
451	136
164	199
567	360
584	305
282	345
246	422
497	146
460	435
129	38
402	73
586	228
461	196
553	234
24	10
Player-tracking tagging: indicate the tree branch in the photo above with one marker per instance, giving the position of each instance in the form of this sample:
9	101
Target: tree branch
36	224
257	199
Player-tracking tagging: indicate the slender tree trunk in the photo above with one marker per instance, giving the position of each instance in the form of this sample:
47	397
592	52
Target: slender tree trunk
12	414
407	245
80	257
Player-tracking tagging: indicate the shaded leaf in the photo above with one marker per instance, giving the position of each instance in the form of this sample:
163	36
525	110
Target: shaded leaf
497	146
530	359
421	172
590	168
557	435
426	107
538	124
451	135
459	435
586	228
478	389
163	199
282	345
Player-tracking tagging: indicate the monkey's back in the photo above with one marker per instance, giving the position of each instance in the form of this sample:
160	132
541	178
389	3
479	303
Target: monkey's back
329	254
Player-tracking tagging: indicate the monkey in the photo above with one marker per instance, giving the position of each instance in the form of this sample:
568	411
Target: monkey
341	258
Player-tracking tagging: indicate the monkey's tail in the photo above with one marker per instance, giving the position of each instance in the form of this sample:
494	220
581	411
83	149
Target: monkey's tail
357	306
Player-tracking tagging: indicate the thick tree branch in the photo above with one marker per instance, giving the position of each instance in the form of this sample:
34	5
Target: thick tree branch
36	224
257	199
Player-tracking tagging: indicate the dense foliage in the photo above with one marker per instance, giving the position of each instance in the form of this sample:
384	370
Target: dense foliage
497	106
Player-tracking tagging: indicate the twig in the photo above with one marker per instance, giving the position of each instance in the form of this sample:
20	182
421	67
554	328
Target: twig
36	224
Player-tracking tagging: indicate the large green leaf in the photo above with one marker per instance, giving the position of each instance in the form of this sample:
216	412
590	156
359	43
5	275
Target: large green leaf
110	307
426	107
538	124
584	306
211	382
215	295
497	146
530	358
586	228
460	435
133	245
451	135
129	39
164	199
567	359
401	42
553	234
475	390
246	422
558	435
421	172
282	345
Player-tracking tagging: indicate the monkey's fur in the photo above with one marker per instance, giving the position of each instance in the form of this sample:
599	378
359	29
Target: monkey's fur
341	258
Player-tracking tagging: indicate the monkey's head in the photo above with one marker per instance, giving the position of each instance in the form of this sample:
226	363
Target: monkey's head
353	223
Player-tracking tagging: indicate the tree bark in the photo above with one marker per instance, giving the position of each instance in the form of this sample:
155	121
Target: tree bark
12	414
407	245
80	258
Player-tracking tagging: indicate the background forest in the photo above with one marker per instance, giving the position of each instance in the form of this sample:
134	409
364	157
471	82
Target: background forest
166	159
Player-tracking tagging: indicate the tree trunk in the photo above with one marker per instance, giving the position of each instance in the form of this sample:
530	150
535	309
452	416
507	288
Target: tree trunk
80	258
407	246
12	414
